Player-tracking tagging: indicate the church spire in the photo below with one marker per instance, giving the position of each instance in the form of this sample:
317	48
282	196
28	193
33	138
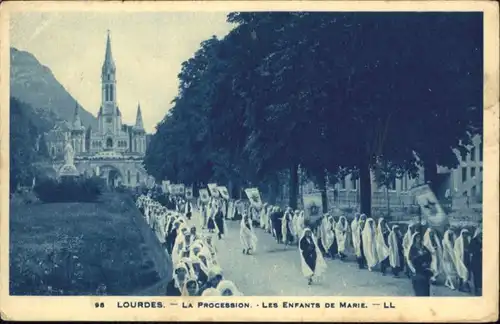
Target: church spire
138	119
77	123
109	63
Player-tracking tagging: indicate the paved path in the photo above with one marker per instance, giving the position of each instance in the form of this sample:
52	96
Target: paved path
275	271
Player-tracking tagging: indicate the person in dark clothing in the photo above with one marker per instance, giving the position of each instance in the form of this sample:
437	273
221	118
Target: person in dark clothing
361	225
476	261
189	210
276	223
420	259
201	274
214	277
219	221
172	235
308	251
174	287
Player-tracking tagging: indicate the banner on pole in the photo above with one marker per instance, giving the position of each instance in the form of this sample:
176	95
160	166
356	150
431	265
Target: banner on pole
213	190
151	182
254	196
204	196
312	207
223	192
189	192
181	189
164	185
430	207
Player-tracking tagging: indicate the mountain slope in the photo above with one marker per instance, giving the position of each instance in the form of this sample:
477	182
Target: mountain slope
33	83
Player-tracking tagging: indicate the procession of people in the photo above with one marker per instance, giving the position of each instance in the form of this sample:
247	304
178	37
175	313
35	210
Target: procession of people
422	254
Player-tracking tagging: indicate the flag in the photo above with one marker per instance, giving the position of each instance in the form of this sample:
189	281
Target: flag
430	207
204	196
254	196
312	207
223	192
213	189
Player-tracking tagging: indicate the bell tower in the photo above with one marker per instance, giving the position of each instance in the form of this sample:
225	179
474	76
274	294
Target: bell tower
109	109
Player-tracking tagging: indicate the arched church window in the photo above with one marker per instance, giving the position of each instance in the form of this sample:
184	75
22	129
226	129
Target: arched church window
106	90
109	77
128	176
111	96
138	177
109	143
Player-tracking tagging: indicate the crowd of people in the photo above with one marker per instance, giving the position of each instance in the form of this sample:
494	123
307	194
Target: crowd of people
455	259
421	254
190	244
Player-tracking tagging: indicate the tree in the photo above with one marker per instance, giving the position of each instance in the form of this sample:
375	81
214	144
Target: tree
24	151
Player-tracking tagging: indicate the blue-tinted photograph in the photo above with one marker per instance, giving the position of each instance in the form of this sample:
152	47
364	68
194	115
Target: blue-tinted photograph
246	154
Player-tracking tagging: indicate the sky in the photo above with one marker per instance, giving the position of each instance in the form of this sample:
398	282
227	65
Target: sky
148	49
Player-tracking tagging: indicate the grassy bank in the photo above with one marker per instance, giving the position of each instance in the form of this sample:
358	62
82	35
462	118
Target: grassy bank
79	249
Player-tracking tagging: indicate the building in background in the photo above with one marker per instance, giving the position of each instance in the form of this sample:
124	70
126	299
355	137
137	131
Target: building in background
461	186
114	150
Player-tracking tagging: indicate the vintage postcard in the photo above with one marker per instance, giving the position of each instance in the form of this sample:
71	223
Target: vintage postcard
249	161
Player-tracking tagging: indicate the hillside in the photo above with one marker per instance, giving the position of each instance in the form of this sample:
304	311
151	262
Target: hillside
33	83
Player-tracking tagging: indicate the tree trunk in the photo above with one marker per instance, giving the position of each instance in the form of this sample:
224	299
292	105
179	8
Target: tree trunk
365	188
294	186
324	196
196	190
388	201
273	190
431	176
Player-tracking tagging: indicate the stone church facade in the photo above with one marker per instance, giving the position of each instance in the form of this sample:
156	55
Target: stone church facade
114	150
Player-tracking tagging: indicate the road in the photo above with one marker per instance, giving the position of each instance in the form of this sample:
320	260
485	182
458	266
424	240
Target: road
275	271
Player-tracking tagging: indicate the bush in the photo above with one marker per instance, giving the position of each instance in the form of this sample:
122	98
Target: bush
69	190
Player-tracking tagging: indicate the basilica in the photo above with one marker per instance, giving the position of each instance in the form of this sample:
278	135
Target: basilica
114	150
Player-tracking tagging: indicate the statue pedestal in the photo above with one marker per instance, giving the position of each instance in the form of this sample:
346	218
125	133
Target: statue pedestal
68	170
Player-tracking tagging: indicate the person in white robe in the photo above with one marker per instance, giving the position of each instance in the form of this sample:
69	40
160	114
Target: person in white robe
462	260
269	211
449	259
212	249
191	288
396	254
230	209
188	262
354	223
286	233
181	275
342	236
181	244
312	263
412	228
326	236
369	244
211	292
381	242
247	236
262	216
200	271
228	288
188	209
433	244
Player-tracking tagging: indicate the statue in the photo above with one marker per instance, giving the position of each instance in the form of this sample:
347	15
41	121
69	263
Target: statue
69	154
69	169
